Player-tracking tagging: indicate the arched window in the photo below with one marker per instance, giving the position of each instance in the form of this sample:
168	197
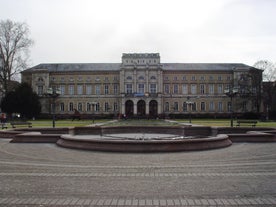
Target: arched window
79	106
129	78
153	77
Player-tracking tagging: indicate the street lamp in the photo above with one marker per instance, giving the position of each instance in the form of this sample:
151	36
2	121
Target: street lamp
231	92
53	93
190	103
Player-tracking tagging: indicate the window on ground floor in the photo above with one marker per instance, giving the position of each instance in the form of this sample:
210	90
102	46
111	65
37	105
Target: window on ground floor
61	106
167	107
185	107
220	107
202	106
79	106
71	106
211	106
175	106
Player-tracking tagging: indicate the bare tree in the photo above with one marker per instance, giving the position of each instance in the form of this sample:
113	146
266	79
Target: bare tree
14	50
269	69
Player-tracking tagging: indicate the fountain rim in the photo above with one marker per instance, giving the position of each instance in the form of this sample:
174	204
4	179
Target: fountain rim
108	140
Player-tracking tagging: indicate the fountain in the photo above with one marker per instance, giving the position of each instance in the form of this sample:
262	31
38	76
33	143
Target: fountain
141	138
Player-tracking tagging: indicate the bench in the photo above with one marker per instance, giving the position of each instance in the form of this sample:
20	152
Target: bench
14	124
252	123
4	125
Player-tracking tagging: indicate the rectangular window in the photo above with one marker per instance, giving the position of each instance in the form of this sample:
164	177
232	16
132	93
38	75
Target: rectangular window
128	88
193	89
220	89
62	89
115	106
115	88
80	89
211	106
167	88
220	108
153	88
229	106
98	89
61	107
106	91
184	89
88	89
141	88
71	90
193	78
71	106
184	106
211	89
202	89
175	89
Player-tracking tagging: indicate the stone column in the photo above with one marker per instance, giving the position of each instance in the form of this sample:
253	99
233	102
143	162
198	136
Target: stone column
147	107
134	107
159	106
123	110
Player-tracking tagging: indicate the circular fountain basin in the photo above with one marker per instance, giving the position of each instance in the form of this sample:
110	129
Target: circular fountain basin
150	139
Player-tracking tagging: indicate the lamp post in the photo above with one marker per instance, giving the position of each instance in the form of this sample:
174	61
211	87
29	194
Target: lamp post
190	103
231	92
53	93
93	110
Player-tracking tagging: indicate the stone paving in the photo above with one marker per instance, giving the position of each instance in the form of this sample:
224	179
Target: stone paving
46	175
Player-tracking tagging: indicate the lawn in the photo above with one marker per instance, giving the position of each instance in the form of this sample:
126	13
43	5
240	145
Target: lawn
223	122
64	123
142	122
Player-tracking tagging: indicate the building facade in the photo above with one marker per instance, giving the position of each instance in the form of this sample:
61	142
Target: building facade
143	86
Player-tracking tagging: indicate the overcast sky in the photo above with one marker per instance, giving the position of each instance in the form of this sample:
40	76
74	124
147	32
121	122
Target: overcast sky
186	31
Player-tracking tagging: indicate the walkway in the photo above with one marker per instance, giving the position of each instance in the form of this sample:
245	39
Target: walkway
46	175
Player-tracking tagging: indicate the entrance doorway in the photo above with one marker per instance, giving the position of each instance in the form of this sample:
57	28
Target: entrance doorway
141	108
129	108
153	108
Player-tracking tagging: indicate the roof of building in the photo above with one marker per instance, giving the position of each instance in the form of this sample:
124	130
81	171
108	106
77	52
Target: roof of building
86	67
204	66
141	55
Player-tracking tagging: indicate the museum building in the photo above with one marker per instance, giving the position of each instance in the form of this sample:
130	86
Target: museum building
143	86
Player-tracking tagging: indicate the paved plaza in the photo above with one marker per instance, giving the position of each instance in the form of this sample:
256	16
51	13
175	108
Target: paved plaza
47	175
